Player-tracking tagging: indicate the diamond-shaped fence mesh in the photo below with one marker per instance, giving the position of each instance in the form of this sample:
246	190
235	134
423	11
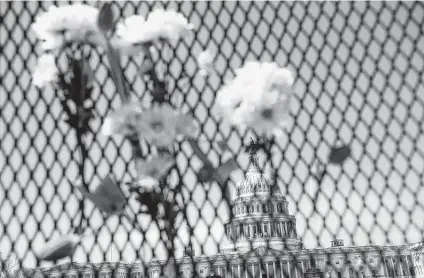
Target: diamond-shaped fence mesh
359	82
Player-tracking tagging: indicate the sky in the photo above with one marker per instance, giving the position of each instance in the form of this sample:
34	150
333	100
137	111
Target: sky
359	82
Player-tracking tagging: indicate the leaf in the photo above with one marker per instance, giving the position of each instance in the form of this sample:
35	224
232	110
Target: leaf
224	171
205	174
339	154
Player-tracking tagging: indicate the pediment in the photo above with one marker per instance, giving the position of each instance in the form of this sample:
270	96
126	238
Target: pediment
263	251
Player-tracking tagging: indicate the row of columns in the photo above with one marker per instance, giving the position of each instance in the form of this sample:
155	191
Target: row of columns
262	229
403	269
276	270
255	208
399	268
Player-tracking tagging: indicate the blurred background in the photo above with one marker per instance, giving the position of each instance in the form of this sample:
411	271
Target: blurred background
359	82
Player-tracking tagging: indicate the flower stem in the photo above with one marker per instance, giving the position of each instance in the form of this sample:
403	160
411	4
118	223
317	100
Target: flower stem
83	156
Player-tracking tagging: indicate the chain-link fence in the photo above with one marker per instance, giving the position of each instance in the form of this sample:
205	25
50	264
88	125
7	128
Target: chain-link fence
359	82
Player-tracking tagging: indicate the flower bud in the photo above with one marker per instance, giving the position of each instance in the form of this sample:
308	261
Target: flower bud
105	20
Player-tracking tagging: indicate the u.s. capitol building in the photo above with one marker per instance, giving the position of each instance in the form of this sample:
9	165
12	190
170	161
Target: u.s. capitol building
261	241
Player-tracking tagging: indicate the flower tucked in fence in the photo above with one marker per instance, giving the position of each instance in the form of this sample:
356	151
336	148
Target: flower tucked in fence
258	97
162	125
123	120
108	196
78	23
72	23
134	31
46	71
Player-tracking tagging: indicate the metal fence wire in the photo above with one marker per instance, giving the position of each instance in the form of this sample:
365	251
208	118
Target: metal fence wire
358	70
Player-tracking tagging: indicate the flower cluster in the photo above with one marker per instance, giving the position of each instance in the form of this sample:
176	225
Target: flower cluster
159	126
135	31
258	97
72	23
62	25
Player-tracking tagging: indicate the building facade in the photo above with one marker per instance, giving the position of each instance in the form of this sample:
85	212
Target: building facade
261	241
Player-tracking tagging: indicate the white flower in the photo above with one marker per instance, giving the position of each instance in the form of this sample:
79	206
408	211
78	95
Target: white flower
258	97
70	23
135	30
169	25
205	62
162	125
45	71
123	120
131	34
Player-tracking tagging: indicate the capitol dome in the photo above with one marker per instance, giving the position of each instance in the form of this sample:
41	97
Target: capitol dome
255	183
260	215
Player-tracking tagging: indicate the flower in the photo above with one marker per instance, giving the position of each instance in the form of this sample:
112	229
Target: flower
59	248
122	121
205	62
168	25
45	71
108	196
71	23
129	35
135	30
162	125
258	97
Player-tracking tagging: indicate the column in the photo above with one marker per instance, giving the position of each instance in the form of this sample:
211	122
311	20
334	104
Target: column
295	270
288	267
275	269
260	269
253	268
407	265
386	273
239	270
303	267
267	271
400	266
393	266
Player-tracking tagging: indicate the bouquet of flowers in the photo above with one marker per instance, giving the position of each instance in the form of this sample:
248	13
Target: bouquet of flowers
257	98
